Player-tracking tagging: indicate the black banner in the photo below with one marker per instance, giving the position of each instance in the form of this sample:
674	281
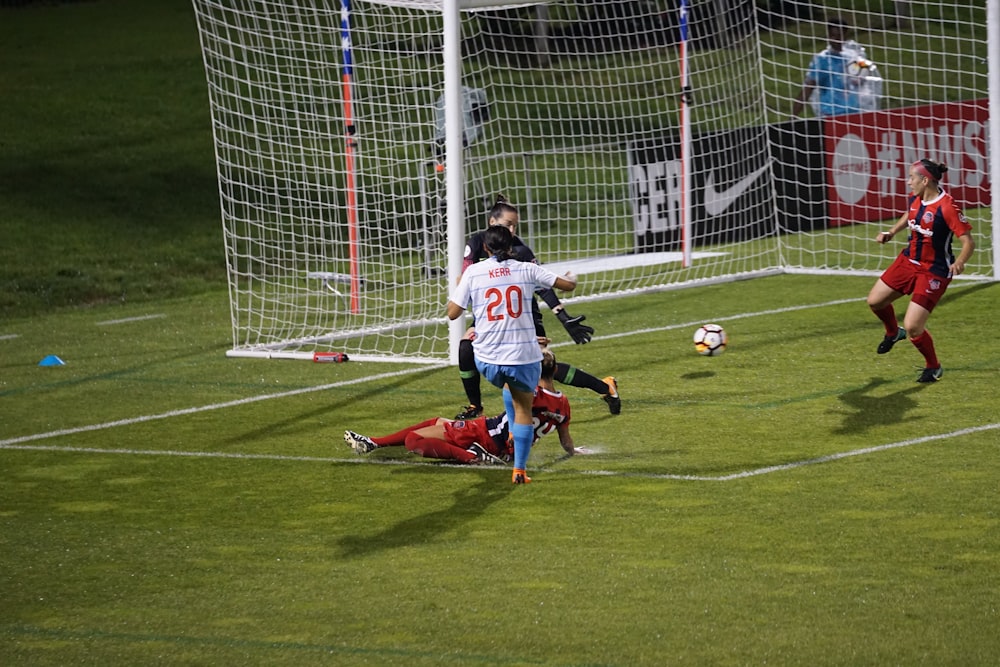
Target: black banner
738	192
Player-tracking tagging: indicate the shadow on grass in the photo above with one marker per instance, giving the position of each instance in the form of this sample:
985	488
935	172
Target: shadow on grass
467	503
302	422
870	411
954	292
698	375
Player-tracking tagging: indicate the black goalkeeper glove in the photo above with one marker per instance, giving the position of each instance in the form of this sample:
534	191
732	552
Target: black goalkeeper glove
579	332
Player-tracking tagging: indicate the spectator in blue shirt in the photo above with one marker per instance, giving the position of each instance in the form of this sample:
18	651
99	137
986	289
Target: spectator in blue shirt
829	76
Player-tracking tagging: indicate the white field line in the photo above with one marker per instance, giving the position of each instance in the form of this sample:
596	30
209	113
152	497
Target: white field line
138	318
4	444
726	318
606	473
8	336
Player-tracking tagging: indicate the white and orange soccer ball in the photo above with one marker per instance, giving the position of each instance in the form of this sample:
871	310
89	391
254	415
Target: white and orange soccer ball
710	340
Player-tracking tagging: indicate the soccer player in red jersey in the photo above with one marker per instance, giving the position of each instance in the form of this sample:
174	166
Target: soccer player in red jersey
926	265
483	440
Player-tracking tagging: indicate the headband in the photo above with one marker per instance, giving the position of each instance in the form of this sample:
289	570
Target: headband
922	169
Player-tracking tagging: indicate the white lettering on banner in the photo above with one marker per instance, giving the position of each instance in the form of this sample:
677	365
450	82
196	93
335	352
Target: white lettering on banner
974	177
952	145
960	145
887	159
657	196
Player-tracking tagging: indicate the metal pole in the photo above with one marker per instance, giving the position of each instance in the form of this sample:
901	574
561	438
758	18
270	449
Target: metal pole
993	68
454	169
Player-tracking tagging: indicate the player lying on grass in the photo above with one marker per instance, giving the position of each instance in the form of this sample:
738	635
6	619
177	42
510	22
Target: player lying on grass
483	440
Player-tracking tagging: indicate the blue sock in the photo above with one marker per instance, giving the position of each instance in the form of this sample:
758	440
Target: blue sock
524	434
508	405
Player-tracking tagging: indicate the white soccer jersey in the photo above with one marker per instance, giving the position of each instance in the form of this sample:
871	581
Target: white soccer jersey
500	293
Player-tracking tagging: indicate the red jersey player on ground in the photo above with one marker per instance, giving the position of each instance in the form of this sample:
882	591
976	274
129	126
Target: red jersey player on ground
483	440
926	265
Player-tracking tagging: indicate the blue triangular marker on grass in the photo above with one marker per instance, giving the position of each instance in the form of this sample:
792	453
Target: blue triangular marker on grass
52	360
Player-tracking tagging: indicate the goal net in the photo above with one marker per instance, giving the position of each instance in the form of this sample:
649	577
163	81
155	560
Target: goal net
331	140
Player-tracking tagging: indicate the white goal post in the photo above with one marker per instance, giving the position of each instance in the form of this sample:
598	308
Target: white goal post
359	142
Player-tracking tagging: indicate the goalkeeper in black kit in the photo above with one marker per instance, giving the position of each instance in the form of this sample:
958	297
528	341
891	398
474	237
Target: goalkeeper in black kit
505	214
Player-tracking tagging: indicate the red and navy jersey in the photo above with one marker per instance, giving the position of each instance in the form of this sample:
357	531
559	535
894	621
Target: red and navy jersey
549	409
933	224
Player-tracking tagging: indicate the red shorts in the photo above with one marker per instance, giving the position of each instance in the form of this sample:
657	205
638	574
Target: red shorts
909	278
463	433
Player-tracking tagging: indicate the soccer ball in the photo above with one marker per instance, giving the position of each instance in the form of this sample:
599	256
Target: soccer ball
860	67
710	340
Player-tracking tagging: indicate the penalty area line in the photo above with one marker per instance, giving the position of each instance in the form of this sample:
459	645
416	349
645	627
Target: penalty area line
547	468
4	444
828	458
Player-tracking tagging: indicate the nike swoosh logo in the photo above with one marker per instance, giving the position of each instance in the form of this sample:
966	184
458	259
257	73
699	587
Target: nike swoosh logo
718	201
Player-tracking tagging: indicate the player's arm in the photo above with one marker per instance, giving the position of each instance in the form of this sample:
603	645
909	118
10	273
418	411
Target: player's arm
567	282
898	226
800	102
565	439
579	332
960	227
459	296
968	245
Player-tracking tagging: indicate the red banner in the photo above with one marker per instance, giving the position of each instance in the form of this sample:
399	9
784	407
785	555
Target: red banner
868	156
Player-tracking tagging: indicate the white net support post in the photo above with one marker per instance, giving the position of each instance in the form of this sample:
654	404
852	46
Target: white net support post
344	217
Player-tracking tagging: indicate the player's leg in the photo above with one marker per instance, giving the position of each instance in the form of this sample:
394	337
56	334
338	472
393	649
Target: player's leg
398	439
522	431
924	300
362	444
889	287
521	385
470	379
430	442
576	377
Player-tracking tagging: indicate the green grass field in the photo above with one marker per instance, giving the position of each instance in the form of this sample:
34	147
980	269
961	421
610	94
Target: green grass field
798	500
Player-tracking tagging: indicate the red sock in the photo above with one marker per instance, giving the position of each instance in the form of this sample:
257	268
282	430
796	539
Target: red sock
399	438
888	316
435	448
925	344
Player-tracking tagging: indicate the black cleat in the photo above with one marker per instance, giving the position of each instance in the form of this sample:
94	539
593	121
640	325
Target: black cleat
889	341
483	457
470	412
612	398
361	444
931	374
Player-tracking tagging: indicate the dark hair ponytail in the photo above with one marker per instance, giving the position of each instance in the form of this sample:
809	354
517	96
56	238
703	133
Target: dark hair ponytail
498	240
501	206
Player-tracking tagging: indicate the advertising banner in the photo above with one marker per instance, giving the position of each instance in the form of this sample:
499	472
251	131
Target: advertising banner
868	156
734	183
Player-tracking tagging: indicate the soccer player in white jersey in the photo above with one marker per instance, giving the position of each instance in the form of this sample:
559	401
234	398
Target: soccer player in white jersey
506	347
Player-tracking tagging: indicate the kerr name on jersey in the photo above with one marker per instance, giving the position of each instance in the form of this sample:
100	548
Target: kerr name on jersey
499	273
